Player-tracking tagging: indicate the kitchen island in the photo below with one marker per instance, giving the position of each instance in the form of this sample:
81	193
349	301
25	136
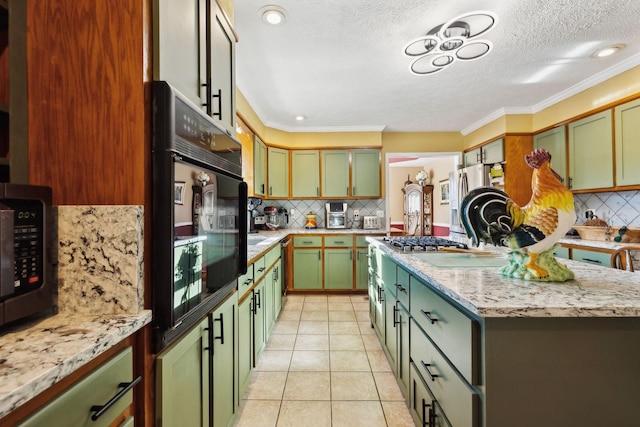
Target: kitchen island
479	349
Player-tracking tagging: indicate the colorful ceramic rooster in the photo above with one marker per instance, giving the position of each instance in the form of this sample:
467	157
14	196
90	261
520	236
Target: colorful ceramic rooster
490	216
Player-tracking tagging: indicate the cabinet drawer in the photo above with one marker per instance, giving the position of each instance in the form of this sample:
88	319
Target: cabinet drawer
338	241
451	330
592	257
402	286
307	241
459	402
259	268
73	407
245	281
361	241
272	256
424	408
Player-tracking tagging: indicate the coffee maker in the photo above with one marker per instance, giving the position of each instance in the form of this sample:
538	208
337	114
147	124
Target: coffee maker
254	215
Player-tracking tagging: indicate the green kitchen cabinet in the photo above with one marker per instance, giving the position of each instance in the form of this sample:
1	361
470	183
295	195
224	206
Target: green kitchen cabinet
245	343
493	152
307	268
627	143
402	356
473	157
591	257
259	321
365	173
335	173
338	268
305	173
198	64
362	268
277	290
259	167
73	407
554	141
278	172
182	380
390	343
591	152
224	339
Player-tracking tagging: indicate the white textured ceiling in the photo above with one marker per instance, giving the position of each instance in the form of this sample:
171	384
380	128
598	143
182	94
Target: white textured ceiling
340	63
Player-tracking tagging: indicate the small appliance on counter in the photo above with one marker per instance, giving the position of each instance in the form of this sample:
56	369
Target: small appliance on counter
252	204
336	215
26	287
311	223
276	217
371	222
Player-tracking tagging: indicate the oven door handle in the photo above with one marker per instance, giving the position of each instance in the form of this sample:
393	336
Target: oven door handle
242	228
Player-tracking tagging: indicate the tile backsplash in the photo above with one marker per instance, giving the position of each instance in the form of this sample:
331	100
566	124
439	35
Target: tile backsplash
303	207
617	208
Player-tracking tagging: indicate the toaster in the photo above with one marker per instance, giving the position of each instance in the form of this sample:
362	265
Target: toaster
370	222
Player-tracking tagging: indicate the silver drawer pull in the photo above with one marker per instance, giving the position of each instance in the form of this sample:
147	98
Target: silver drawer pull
432	376
427	314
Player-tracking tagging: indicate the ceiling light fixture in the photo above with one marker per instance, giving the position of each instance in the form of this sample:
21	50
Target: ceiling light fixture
273	15
608	51
454	40
300	118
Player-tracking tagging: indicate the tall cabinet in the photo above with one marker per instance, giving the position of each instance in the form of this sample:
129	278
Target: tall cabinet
418	209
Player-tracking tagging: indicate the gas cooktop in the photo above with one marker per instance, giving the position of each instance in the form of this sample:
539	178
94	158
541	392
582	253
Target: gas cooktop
421	243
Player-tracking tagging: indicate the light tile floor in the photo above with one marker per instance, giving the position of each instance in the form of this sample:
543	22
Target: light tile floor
323	366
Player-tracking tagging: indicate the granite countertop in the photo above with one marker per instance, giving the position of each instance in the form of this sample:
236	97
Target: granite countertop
610	244
35	355
595	292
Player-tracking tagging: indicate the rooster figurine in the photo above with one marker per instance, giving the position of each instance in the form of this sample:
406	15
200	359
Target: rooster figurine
490	216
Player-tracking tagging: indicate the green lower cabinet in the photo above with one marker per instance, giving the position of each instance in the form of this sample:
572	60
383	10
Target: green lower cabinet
362	268
402	356
225	342
592	257
245	344
307	269
338	269
182	381
259	331
390	343
277	290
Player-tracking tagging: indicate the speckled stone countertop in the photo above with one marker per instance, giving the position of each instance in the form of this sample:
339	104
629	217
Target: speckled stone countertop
599	244
595	292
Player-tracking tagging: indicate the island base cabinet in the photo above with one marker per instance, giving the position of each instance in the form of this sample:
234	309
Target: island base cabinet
75	407
558	372
424	408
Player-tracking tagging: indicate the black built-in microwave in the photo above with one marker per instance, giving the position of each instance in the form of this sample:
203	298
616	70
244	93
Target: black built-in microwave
199	214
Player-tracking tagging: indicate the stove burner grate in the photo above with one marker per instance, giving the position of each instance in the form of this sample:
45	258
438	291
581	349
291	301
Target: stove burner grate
421	243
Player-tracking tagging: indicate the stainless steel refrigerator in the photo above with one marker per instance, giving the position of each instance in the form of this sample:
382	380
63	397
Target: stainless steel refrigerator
460	183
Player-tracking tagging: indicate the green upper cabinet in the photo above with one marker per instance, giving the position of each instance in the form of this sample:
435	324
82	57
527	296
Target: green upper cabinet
493	152
627	119
278	171
591	152
305	173
473	157
199	65
553	141
335	173
365	173
259	167
222	95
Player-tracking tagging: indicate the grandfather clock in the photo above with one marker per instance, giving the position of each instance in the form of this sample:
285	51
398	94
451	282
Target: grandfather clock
418	209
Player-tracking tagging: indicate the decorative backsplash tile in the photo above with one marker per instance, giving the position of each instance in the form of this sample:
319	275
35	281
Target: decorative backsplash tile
100	253
617	208
303	207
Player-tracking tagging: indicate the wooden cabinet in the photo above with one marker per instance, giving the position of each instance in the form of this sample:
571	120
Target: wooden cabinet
418	210
278	172
365	173
490	153
305	173
200	65
112	382
591	152
259	167
14	151
554	141
627	143
335	173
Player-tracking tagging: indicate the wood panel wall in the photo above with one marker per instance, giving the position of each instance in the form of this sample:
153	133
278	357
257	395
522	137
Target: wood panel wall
88	119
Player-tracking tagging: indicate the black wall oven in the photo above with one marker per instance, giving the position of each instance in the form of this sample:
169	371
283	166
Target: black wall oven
199	217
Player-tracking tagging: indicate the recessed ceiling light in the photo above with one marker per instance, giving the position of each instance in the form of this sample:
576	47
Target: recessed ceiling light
608	51
273	15
300	118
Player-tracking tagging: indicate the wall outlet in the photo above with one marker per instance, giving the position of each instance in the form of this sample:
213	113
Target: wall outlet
380	214
292	212
356	212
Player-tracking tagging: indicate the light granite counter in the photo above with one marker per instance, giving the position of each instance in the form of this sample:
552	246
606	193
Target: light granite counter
595	291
